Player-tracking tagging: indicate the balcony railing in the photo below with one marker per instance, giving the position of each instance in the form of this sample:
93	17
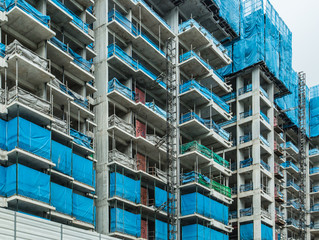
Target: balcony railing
264	92
246	212
292	221
122	124
264	140
229	96
245	138
245	114
246	187
294	185
294	203
2	50
245	89
314	170
313	151
279	194
288	164
233	215
156	109
115	84
206	122
193	84
117	156
264	117
234	190
191	22
315	208
315	189
195	146
246	163
265	165
292	146
81	138
233	166
234	119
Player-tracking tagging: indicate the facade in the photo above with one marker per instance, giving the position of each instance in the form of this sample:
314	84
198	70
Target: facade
154	120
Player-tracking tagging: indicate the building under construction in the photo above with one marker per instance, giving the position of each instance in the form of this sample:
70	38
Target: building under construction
148	119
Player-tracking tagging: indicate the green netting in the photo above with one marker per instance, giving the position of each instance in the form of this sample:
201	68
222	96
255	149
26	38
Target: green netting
221	188
202	181
220	160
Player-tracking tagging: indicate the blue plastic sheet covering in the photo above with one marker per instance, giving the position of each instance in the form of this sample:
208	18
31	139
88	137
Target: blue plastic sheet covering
84	102
191	54
125	222
266	232
82	169
160	230
29	183
115	84
247	231
28	136
160	197
191	22
314	111
62	156
264	37
200	232
206	122
197	203
156	109
81	138
59	44
83	208
3	134
191	84
125	187
2	50
61	198
83	63
3	174
26	7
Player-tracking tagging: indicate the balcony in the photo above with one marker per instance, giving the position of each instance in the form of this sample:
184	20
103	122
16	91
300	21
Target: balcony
196	36
59	13
245	138
245	114
245	212
120	128
264	117
233	215
121	26
315	208
294	203
121	94
264	141
121	60
279	218
58	52
245	89
293	186
278	173
28	21
265	165
290	167
121	158
313	152
279	196
278	149
246	187
291	148
246	163
263	92
225	124
229	96
293	223
31	67
82	142
195	126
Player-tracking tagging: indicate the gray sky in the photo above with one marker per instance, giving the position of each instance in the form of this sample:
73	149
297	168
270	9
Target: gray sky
302	19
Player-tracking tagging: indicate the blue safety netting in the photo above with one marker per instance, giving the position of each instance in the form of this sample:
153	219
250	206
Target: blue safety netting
160	198
81	138
125	222
191	54
3	134
59	44
197	203
83	63
191	22
200	232
28	136
160	230
113	49
84	102
2	50
61	198
27	182
193	84
82	169
314	111
115	84
125	187
247	231
83	208
28	8
209	123
156	109
3	174
266	232
62	156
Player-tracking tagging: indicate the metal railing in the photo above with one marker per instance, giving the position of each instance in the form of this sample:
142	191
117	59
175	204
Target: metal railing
246	163
246	187
245	89
265	165
246	212
245	114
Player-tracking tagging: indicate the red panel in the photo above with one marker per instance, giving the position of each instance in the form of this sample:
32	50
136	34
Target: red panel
140	129
144	196
144	227
141	162
139	96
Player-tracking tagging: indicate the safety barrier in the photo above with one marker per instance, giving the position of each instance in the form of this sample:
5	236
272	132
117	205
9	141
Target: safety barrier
264	92
288	164
193	84
245	114
119	185
2	50
315	208
125	222
292	221
207	123
195	146
314	170
81	138
313	151
246	212
115	84
197	232
265	165
233	166
233	215
155	108
292	146
229	96
246	187
294	185
245	89
264	117
315	189
246	163
245	138
264	140
191	22
234	119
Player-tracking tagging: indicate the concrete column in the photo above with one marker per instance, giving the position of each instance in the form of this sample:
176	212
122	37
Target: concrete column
101	111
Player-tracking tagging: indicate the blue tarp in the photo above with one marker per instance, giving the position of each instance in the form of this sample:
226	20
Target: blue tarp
314	111
3	174
29	183
266	232
125	187
81	138
2	50
200	232
83	63
115	84
82	169
3	134
62	157
61	198
156	109
28	9
83	208
247	231
160	197
28	136
125	222
197	203
160	230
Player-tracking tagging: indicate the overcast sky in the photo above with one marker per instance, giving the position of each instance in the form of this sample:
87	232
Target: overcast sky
302	19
